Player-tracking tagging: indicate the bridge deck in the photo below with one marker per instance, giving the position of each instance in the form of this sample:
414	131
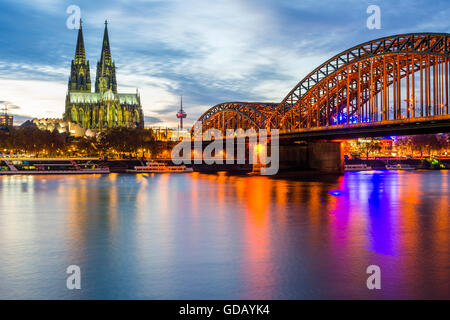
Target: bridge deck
420	125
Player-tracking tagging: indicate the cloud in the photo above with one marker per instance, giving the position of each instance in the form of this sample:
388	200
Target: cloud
152	120
42	99
13	107
42	5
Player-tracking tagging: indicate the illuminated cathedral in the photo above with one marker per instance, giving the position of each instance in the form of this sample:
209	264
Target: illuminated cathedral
104	108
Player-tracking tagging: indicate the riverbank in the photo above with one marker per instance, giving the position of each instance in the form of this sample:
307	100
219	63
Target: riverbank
31	165
423	163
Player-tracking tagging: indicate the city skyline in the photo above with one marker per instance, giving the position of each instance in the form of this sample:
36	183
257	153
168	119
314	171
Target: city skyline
234	51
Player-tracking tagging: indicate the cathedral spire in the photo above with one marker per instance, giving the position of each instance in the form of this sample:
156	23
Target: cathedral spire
80	55
106	50
106	70
80	79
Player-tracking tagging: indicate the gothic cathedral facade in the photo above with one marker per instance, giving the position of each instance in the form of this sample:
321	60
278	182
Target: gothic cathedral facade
104	108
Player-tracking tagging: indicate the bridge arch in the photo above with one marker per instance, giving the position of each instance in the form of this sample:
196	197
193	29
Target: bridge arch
352	86
234	115
391	79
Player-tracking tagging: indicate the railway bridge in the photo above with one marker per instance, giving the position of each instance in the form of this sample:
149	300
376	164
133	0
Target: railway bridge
396	85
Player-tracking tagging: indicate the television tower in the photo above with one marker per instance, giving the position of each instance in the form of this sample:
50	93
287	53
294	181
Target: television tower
181	114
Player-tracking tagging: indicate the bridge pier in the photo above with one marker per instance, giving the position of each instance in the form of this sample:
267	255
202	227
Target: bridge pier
322	156
314	156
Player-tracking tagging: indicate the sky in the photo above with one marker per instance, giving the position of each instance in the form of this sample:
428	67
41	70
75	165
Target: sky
209	51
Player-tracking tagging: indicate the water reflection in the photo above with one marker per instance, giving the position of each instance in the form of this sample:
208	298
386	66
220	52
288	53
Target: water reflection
220	236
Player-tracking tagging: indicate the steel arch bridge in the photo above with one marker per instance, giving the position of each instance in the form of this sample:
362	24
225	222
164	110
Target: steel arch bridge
235	115
388	80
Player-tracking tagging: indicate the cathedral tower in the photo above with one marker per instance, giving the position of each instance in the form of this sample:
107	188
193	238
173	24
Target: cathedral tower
80	77
105	108
106	69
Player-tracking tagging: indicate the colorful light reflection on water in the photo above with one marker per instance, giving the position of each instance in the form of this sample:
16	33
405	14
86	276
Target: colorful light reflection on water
225	237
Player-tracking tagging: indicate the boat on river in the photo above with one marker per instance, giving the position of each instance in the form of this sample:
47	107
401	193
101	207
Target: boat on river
400	166
159	167
357	167
44	167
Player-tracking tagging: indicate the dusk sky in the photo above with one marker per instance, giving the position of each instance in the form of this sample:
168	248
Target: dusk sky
210	51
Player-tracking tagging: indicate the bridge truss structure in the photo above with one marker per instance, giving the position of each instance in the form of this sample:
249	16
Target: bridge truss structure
388	80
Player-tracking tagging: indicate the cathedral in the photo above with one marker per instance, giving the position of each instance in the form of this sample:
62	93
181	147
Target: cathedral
104	108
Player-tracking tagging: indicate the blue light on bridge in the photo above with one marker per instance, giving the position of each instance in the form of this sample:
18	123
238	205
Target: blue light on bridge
335	193
342	118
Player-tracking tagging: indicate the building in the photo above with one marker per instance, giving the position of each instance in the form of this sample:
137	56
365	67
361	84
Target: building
6	120
105	107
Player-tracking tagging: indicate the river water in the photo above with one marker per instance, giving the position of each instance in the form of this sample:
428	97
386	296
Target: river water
196	236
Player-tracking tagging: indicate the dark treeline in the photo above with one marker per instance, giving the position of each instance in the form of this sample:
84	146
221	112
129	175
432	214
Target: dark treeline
118	142
126	143
31	140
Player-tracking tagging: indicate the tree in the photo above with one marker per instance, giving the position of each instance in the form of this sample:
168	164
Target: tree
425	143
124	141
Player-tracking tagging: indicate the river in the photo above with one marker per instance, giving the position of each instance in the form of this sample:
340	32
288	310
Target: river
218	236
